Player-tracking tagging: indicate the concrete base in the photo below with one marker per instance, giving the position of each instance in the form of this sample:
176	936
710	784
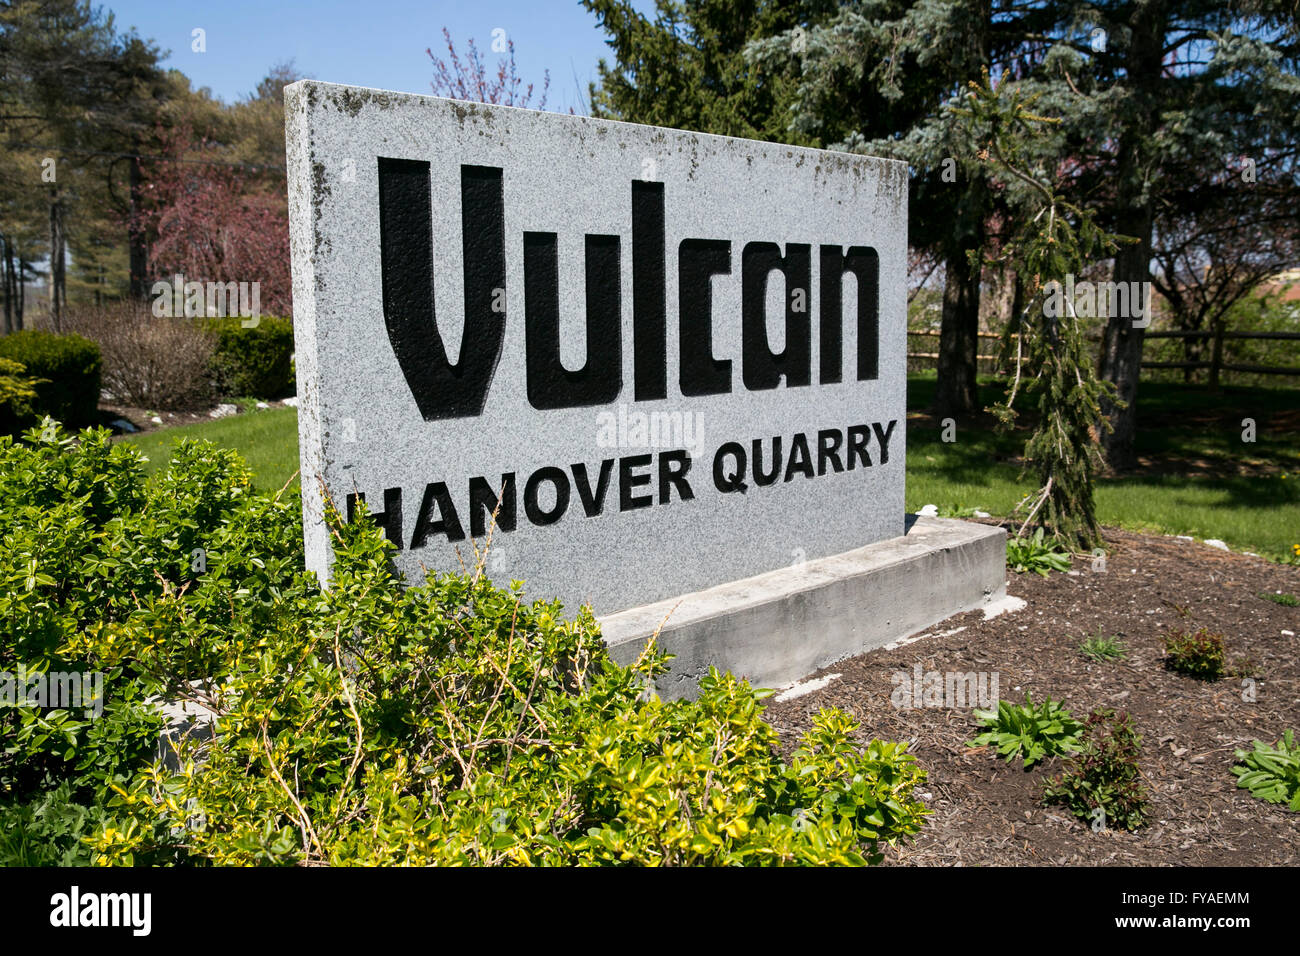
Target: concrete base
778	627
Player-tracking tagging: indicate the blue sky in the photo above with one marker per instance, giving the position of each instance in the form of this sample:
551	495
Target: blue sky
377	43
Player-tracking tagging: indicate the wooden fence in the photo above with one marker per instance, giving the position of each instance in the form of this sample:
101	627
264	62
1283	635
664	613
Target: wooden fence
988	351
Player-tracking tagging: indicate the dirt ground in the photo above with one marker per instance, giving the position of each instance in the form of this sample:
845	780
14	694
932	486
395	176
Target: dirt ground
989	812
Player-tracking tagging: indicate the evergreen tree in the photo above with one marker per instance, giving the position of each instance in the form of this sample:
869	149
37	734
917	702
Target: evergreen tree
1044	340
1161	103
875	77
71	88
687	69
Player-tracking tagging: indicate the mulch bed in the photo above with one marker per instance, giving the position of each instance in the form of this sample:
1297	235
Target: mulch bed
989	812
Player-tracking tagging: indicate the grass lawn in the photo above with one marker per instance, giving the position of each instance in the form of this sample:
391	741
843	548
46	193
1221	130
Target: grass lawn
267	440
1200	478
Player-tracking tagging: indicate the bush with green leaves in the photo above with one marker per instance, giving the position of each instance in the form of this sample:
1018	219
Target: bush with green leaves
253	360
50	830
17	393
1035	554
1271	773
66	372
451	722
88	546
1196	653
1034	732
1101	782
454	723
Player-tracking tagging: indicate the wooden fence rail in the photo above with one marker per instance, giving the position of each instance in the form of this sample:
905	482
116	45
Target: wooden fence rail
1216	364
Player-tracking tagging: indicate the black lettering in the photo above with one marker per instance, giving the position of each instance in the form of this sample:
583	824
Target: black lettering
670	477
533	508
441	389
448	523
550	384
697	261
627	482
882	438
828	449
864	263
649	311
483	500
859	435
761	367
736	480
761	479
800	457
592	503
390	519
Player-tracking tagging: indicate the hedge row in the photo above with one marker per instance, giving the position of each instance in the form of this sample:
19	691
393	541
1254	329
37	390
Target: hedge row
254	361
66	370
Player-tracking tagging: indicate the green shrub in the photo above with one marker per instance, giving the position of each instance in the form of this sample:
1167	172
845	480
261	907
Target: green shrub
67	373
1101	783
253	361
17	393
1034	732
87	546
450	722
453	723
51	830
1197	654
1035	554
1271	773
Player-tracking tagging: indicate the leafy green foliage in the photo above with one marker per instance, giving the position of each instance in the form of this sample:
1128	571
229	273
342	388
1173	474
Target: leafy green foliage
1034	732
1035	554
88	548
453	723
254	361
1271	773
17	393
450	722
1103	648
1104	775
49	831
1196	653
66	370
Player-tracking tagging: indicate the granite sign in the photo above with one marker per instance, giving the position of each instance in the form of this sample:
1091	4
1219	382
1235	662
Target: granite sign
665	360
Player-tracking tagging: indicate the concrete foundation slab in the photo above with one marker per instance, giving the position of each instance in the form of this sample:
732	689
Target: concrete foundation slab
778	627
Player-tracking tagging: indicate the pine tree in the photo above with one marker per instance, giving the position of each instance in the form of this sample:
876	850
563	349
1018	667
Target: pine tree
688	69
1051	366
1158	101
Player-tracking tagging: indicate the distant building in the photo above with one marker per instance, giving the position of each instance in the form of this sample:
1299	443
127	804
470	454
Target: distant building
1285	285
